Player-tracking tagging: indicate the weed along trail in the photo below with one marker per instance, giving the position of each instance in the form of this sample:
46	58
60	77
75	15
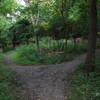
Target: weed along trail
44	82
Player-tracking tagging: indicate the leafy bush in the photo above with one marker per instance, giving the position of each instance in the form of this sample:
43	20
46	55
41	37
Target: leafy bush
1	57
27	55
85	87
7	85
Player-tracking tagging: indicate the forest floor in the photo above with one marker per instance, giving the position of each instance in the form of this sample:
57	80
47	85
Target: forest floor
43	82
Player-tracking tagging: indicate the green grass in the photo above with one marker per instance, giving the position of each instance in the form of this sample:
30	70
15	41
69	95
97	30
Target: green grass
60	45
27	55
85	87
7	83
1	58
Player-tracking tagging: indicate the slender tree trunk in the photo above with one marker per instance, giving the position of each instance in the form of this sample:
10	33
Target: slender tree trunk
74	44
37	44
90	59
66	44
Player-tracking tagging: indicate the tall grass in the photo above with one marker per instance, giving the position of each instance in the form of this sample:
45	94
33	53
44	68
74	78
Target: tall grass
52	54
85	87
7	85
28	55
1	57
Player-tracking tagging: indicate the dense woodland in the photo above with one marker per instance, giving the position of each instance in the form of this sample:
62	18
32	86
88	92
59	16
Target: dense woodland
36	32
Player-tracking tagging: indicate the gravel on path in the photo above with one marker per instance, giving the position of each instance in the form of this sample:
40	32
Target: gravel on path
43	82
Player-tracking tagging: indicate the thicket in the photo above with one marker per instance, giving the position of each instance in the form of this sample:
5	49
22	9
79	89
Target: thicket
50	54
85	87
28	24
7	82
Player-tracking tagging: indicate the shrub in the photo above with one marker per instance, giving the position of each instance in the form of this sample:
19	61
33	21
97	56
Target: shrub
7	85
85	87
1	58
27	54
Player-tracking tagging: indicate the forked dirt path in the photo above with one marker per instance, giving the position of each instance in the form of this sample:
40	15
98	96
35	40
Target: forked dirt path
44	82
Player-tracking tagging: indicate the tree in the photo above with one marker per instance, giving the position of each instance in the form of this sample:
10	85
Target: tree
7	7
20	35
37	10
90	59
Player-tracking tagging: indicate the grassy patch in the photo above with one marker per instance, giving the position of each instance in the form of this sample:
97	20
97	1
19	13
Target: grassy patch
50	52
1	58
27	55
85	87
7	83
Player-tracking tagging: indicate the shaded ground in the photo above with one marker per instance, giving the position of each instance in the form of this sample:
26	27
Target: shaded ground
45	82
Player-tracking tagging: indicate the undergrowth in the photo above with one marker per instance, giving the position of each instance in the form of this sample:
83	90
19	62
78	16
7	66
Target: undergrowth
85	87
7	83
27	54
1	57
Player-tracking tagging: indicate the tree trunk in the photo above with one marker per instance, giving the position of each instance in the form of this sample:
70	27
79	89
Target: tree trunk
66	44
90	59
37	44
74	44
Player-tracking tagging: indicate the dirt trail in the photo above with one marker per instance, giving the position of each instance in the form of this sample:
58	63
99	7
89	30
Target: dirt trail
45	82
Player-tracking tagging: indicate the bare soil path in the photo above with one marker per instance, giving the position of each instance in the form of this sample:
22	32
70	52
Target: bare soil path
44	82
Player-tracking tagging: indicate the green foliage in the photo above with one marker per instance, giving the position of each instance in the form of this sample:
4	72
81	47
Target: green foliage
60	19
7	82
7	85
20	32
57	19
58	28
4	36
85	87
1	57
78	18
7	6
39	30
27	54
5	74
